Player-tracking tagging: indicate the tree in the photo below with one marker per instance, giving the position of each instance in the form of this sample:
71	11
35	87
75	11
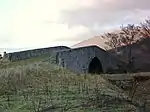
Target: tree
113	41
145	28
122	42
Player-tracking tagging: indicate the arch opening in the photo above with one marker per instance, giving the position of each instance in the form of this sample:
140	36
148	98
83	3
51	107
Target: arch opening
95	66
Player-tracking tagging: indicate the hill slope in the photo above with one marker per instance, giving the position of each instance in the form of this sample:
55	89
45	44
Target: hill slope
44	87
98	41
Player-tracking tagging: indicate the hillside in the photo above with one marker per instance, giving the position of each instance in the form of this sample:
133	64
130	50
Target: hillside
141	52
98	41
40	86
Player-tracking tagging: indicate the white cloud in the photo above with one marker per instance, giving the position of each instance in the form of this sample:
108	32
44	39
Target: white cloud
23	25
39	34
40	23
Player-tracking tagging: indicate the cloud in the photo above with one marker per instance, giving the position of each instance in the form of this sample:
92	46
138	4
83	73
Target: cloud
44	34
107	12
128	4
42	23
34	23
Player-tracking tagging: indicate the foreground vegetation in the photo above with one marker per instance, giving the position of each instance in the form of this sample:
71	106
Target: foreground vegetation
44	87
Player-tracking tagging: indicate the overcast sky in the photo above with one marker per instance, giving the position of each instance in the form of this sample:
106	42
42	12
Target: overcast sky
43	23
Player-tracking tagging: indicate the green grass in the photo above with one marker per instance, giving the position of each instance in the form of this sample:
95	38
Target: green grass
4	63
36	85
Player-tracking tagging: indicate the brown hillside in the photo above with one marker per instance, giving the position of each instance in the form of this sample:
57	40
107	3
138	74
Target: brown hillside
141	53
97	40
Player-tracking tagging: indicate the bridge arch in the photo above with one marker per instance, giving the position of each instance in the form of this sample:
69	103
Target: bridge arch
95	66
90	59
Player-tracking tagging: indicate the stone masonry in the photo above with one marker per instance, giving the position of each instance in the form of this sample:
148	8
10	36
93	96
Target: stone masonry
34	53
79	59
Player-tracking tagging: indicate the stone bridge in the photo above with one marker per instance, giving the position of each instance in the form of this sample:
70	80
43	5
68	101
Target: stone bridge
28	54
91	59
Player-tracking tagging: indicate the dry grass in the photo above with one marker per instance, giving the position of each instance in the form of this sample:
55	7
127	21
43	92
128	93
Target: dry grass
41	86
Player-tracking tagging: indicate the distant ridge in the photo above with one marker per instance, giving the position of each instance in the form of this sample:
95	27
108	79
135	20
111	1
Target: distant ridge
97	40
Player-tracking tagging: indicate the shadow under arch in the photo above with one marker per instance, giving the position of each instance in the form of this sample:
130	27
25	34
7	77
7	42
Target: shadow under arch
95	66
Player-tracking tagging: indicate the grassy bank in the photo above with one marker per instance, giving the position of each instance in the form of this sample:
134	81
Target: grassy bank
44	87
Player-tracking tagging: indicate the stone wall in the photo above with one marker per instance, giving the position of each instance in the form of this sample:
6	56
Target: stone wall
79	59
34	53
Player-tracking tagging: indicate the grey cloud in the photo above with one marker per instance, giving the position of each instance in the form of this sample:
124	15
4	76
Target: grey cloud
104	16
122	4
105	13
90	17
130	4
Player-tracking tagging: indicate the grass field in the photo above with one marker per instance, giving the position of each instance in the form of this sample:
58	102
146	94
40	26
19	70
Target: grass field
39	86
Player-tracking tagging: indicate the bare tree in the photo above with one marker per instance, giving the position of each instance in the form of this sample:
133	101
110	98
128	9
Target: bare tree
112	40
145	28
122	42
